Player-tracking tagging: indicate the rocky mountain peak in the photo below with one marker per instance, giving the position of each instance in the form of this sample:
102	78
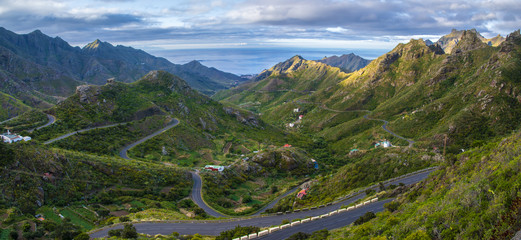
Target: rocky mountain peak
97	44
291	64
36	32
510	42
470	40
513	36
347	62
194	63
449	41
285	67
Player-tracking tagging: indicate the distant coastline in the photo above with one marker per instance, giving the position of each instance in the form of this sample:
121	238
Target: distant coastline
244	61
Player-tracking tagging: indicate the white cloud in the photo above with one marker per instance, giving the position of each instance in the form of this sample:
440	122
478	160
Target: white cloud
337	30
484	17
236	21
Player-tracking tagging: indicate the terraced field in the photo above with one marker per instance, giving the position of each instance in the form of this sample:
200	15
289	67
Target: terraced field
77	219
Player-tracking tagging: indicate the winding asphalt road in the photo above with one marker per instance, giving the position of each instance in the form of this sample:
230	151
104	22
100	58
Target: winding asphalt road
196	196
329	223
214	227
123	152
384	126
7	120
411	142
79	131
51	119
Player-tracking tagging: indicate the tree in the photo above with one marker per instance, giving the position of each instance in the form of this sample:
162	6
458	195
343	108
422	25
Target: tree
319	235
6	154
115	232
365	218
418	235
247	198
299	236
103	212
392	206
129	231
237	232
82	236
197	236
13	235
66	230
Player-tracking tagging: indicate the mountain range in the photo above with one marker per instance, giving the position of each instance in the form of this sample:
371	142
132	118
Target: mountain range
39	69
456	100
451	100
450	107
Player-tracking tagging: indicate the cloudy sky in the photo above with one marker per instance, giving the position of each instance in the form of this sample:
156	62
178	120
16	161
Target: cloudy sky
197	24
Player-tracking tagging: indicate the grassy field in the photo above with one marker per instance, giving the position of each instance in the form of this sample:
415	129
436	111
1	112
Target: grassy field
86	213
76	219
4	234
49	214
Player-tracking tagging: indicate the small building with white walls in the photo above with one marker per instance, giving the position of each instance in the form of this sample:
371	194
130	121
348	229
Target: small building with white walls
12	138
384	144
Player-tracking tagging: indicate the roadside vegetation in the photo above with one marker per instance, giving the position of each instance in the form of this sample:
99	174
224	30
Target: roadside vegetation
26	121
473	195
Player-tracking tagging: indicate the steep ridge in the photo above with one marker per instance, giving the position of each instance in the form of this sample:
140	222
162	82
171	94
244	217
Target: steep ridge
347	62
428	93
39	69
423	92
128	64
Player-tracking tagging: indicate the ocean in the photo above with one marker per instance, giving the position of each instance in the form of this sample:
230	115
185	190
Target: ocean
243	61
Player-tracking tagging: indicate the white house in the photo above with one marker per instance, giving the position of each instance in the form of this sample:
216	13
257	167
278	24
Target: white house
12	138
384	144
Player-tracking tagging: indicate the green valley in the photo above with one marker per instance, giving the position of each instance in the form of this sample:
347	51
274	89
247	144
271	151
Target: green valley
301	138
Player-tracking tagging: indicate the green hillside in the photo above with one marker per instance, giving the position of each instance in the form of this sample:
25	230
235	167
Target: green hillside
208	132
468	95
147	105
474	195
11	107
87	190
447	103
284	82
